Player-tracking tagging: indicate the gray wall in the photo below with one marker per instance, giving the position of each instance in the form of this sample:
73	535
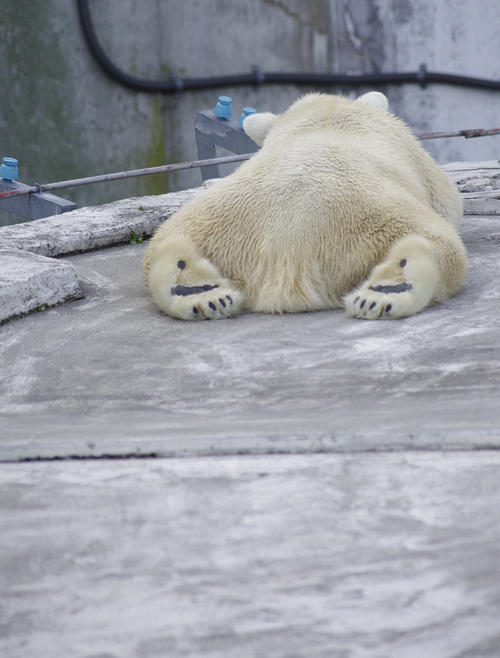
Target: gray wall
62	117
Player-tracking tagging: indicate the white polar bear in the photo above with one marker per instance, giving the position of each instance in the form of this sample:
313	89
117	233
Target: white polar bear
340	207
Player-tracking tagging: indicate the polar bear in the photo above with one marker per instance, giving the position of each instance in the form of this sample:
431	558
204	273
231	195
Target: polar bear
340	207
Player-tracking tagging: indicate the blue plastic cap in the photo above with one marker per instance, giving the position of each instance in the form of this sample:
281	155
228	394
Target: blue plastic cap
224	109
9	170
247	111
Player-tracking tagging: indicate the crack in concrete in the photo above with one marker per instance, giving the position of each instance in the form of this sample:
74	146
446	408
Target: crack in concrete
350	26
286	9
105	457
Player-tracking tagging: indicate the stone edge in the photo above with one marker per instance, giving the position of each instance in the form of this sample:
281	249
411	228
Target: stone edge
31	283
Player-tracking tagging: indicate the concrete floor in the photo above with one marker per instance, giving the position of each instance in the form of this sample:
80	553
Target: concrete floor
288	556
348	544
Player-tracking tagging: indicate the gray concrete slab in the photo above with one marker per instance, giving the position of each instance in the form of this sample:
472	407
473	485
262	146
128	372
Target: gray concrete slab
479	183
95	227
110	374
28	282
315	556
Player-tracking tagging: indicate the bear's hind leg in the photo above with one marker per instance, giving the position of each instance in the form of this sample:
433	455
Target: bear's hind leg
416	273
184	284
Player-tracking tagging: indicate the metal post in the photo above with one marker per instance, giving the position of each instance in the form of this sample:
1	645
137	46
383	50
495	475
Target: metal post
33	206
210	132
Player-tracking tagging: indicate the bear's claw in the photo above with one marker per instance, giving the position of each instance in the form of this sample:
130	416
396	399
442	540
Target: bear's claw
207	307
402	285
384	302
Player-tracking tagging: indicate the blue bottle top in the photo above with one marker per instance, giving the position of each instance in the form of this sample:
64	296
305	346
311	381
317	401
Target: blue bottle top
9	170
247	111
224	109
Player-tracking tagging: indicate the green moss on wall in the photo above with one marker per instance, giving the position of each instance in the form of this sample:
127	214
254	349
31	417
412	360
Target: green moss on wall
155	153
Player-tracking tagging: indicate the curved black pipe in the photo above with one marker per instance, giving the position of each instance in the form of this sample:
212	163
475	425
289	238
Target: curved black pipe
423	77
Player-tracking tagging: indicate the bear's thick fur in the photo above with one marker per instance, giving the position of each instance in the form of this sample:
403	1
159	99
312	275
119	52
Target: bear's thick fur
340	207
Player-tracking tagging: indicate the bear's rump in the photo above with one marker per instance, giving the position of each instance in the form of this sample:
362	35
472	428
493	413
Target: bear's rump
293	242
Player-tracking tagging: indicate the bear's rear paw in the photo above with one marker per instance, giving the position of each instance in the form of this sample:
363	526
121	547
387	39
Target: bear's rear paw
187	286
399	287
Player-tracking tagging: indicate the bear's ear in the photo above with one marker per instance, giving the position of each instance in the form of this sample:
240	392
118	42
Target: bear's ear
375	99
257	126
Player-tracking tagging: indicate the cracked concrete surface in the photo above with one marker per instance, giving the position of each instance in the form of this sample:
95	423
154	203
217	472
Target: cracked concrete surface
317	556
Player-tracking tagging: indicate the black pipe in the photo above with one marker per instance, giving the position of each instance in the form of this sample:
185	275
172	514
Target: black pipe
423	77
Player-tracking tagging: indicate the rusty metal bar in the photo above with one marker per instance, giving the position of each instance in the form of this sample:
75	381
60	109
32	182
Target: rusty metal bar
34	189
468	134
124	174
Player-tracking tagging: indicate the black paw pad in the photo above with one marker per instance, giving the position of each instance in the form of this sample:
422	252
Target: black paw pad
373	305
183	291
363	303
388	308
230	300
401	287
402	263
356	299
195	310
222	302
212	306
181	264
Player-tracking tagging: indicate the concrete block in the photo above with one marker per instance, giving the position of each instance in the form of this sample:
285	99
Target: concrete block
479	184
96	227
28	281
481	203
112	375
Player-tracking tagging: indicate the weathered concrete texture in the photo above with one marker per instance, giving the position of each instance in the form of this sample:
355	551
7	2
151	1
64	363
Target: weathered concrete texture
110	374
319	556
95	227
28	282
452	37
479	184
